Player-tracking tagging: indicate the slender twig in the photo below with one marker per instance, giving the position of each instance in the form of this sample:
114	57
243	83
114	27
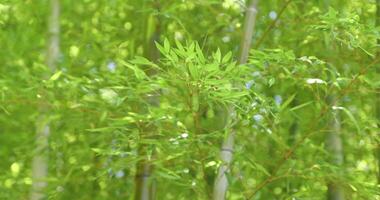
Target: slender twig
272	25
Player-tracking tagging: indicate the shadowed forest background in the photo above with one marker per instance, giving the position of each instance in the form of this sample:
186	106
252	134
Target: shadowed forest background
190	99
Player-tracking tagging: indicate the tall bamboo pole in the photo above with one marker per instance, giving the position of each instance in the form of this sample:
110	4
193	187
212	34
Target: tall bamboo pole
142	179
145	187
335	148
249	28
226	152
333	140
40	160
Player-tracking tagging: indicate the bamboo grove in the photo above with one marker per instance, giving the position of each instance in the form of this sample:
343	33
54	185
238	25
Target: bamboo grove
190	99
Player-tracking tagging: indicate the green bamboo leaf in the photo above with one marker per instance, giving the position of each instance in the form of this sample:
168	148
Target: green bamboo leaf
301	106
55	76
161	49
103	129
218	56
5	110
287	102
257	166
353	188
199	52
138	60
166	45
140	74
109	152
179	46
227	57
194	72
167	174
350	116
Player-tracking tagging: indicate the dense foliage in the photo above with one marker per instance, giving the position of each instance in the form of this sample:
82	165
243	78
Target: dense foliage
157	84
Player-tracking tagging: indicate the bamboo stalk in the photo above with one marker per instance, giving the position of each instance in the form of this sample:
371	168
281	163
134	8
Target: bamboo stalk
249	25
333	140
335	148
145	187
226	152
40	160
142	178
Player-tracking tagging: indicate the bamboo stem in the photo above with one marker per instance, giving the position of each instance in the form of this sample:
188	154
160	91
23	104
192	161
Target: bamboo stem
249	25
145	187
335	148
40	160
142	179
333	140
226	152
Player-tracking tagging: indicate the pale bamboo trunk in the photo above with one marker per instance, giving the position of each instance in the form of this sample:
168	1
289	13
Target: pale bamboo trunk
335	148
143	182
145	186
226	152
40	160
249	28
333	140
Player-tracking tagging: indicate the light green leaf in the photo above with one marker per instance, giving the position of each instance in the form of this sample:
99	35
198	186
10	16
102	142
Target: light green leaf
227	57
138	60
350	115
140	74
301	106
218	56
55	76
287	102
166	45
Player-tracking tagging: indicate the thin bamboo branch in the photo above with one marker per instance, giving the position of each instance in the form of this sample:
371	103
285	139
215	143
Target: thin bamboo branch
226	152
40	160
142	178
272	25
